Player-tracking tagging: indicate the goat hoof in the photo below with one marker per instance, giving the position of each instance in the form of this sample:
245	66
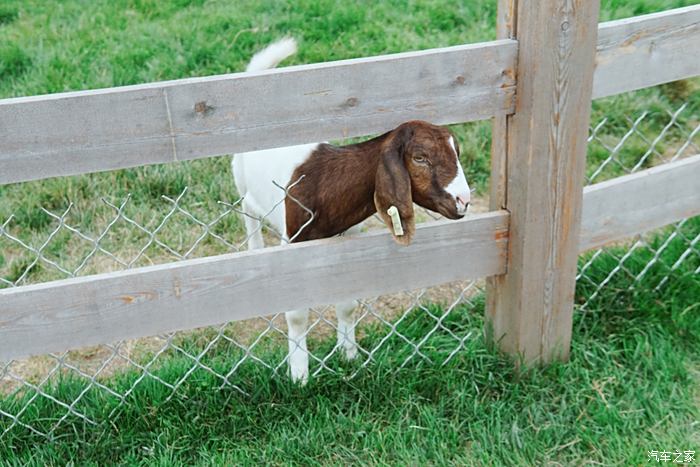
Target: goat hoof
299	377
351	353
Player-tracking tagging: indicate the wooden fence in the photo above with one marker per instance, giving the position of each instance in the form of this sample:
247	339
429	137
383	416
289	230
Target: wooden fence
536	82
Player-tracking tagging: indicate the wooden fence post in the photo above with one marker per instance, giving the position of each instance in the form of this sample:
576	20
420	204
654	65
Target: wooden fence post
537	174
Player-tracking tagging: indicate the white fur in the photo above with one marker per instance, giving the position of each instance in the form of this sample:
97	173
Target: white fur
459	187
255	174
271	55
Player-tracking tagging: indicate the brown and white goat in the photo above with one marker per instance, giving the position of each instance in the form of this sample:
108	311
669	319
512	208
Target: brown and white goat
332	189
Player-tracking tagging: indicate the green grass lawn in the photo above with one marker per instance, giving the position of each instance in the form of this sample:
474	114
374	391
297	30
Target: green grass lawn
631	385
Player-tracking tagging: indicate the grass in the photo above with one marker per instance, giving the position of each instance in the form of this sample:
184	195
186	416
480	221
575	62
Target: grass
631	385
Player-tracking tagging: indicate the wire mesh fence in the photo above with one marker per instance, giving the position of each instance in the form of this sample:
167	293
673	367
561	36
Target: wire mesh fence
120	233
625	145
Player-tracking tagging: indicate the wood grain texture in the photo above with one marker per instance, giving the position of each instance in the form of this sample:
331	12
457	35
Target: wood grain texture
71	313
89	131
530	310
637	203
647	50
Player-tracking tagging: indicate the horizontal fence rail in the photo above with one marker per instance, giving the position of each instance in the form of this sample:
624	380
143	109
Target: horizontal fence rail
644	51
103	308
640	202
90	131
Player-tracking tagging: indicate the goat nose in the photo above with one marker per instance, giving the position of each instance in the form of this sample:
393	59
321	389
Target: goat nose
463	199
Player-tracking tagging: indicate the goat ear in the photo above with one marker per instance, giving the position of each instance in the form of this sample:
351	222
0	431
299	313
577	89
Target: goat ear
393	187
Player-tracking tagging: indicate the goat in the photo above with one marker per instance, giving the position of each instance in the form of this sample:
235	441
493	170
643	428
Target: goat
331	190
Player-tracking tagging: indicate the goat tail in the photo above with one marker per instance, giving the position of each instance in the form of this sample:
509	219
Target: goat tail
271	55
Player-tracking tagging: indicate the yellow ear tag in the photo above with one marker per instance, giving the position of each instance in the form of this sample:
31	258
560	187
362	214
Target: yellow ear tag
395	220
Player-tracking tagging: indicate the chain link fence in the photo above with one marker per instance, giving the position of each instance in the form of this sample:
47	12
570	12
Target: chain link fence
620	146
121	234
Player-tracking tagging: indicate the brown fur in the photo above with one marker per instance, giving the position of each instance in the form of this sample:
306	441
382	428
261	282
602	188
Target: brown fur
343	186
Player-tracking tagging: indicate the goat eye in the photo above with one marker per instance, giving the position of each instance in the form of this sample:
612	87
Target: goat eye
419	159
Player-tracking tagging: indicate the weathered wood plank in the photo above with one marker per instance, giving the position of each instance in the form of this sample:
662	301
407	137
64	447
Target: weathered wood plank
71	313
88	131
643	51
530	311
637	203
